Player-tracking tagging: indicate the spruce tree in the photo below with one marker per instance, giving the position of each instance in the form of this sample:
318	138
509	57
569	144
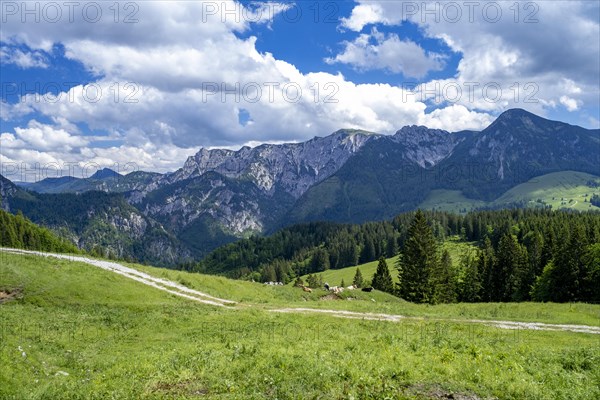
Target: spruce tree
312	281
391	246
591	283
523	278
382	280
486	263
368	252
358	279
417	261
320	260
268	274
471	287
505	269
568	269
542	288
548	249
444	280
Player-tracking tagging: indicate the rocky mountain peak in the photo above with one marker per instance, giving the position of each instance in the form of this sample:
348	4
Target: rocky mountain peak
517	120
291	167
425	146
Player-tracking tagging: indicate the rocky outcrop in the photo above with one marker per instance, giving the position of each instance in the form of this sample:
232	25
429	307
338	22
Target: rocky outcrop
426	147
292	167
7	190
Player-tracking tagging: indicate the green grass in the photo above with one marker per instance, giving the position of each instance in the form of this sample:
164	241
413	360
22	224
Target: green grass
567	189
334	277
265	296
450	201
457	248
560	190
119	339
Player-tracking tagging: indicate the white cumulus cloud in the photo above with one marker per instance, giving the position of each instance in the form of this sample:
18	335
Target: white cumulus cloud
378	51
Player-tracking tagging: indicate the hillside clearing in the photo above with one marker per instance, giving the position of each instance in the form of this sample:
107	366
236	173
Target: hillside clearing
561	190
158	283
454	245
180	290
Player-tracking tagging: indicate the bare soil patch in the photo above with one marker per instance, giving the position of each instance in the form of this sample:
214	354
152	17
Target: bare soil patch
185	387
330	297
10	294
421	391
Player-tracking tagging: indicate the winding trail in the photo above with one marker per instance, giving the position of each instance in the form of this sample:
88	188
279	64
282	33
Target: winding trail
195	295
158	283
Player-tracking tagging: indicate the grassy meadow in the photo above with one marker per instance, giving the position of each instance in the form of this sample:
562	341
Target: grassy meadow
567	189
334	276
72	331
456	248
560	190
259	295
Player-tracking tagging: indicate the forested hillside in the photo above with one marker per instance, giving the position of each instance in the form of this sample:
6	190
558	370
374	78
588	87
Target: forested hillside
103	224
522	254
18	232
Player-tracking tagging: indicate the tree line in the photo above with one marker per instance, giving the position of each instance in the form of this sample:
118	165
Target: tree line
546	256
520	255
16	231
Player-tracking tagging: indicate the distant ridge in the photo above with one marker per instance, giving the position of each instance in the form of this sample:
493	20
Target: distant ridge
220	195
105	173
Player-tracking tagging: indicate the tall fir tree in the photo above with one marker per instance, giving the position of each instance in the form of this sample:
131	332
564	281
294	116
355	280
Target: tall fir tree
470	288
568	269
358	280
487	261
368	251
522	278
417	261
320	260
549	247
269	274
312	281
391	246
443	280
382	280
591	280
507	268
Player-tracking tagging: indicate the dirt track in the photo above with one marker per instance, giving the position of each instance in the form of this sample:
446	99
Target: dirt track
191	294
158	283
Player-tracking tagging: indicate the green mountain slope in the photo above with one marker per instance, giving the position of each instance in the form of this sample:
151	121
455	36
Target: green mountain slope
451	201
103	180
16	231
334	277
384	178
103	223
566	189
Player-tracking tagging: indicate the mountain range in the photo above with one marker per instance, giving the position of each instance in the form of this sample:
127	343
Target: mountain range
220	195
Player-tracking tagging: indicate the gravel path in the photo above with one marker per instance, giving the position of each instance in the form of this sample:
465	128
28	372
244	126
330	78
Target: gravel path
191	294
158	283
539	326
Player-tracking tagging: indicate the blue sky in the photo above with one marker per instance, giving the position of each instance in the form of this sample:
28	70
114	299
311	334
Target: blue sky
163	68
309	40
